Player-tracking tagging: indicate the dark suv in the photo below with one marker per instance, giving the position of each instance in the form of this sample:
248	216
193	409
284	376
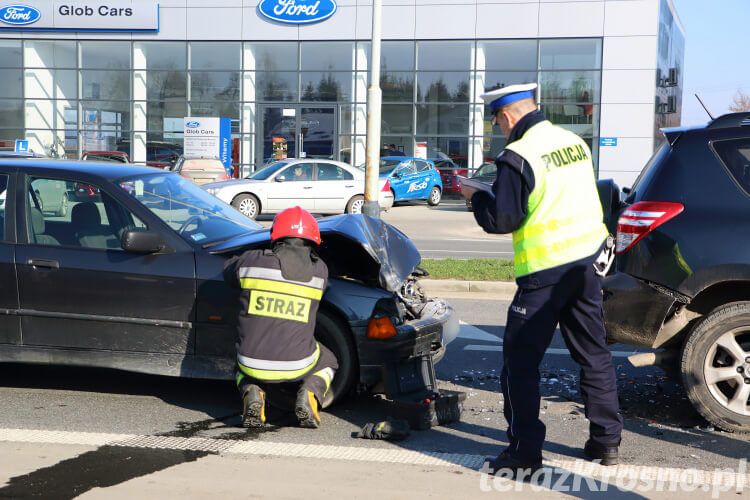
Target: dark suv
682	280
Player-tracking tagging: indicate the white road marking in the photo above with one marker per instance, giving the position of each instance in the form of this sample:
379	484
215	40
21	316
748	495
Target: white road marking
491	348
471	332
465	251
360	453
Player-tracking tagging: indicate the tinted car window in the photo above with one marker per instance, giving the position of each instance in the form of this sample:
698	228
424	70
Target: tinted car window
329	172
422	166
3	194
96	222
407	168
735	155
298	172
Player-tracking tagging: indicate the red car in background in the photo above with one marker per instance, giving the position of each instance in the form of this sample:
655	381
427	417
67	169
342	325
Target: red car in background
449	168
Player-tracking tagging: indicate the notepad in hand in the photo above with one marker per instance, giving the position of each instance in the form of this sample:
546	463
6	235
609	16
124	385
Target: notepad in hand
475	184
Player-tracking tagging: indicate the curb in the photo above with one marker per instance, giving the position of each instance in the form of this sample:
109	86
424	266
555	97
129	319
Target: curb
502	288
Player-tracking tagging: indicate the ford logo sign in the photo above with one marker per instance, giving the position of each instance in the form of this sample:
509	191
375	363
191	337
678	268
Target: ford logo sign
18	15
193	124
297	11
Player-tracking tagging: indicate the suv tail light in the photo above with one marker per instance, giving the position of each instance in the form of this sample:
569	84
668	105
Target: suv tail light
386	186
640	219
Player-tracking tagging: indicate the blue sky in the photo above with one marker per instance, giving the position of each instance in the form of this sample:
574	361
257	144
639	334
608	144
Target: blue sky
717	59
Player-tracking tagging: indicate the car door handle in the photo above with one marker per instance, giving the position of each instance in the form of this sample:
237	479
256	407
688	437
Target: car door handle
44	263
307	187
350	185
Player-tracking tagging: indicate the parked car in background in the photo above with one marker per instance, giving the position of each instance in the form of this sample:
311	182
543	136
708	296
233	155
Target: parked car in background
682	280
116	156
130	282
158	154
449	170
200	170
487	173
411	179
317	185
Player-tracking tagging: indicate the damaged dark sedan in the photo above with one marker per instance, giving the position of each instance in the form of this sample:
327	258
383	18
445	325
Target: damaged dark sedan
131	278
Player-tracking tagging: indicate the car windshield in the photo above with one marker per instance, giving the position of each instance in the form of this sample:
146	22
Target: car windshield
486	169
266	172
387	165
197	216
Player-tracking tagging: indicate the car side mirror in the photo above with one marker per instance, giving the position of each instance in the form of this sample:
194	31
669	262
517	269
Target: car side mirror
397	175
280	178
142	241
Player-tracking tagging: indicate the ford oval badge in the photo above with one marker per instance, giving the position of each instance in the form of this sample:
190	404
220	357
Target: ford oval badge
297	11
19	15
193	124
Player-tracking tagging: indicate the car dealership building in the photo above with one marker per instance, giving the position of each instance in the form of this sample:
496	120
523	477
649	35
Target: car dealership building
292	75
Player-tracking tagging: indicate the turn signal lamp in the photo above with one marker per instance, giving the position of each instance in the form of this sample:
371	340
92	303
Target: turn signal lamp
380	328
640	219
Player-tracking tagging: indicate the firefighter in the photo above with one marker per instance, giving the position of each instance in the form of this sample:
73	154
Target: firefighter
281	289
545	194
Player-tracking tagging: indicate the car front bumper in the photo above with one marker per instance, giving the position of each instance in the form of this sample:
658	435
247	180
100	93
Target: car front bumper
634	312
428	335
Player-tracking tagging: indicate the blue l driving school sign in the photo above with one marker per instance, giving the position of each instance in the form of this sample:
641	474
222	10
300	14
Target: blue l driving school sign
297	11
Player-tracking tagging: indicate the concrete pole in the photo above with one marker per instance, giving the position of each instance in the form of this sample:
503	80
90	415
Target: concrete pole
372	168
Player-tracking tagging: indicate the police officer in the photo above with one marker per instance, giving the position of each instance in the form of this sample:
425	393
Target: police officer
281	292
545	194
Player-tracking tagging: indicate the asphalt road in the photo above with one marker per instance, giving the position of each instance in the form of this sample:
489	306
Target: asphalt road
447	230
160	417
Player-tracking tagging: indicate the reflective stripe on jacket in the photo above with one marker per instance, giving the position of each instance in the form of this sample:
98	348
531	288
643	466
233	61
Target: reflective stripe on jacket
564	221
276	321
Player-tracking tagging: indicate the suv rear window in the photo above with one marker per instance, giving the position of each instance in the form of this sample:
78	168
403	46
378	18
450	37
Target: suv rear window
735	155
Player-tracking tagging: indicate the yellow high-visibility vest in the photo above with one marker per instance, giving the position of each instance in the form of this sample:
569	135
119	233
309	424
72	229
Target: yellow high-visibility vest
564	220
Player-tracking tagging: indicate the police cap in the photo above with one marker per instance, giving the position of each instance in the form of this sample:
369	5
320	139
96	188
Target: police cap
498	98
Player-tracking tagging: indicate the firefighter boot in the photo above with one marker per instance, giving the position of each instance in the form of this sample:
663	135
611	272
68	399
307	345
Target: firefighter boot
306	409
253	407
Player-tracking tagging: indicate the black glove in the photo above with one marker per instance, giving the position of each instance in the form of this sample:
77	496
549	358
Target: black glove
390	430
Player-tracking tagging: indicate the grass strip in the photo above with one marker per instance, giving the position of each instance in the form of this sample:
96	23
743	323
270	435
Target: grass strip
469	269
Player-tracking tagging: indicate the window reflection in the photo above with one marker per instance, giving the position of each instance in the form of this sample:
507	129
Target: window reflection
325	86
444	86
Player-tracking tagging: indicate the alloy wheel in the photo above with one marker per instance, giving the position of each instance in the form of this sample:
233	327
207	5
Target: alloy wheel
727	371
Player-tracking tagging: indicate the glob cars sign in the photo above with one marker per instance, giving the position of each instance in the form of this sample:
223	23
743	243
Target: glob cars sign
61	15
297	11
208	138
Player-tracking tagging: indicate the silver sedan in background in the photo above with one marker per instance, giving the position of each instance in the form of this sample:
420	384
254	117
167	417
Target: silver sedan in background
317	185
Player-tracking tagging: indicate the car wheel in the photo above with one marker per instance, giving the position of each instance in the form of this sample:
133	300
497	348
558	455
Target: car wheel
247	204
334	334
434	198
63	206
716	367
355	204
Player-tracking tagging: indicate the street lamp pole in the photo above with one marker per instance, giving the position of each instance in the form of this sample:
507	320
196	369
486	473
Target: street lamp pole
372	168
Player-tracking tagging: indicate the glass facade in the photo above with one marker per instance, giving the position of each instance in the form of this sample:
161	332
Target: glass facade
305	99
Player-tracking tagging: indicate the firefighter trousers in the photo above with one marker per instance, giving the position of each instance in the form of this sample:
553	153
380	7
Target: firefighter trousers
317	378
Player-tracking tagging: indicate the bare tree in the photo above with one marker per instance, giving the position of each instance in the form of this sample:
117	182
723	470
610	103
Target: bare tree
740	102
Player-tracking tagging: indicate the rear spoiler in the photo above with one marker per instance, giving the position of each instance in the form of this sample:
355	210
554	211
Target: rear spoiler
672	134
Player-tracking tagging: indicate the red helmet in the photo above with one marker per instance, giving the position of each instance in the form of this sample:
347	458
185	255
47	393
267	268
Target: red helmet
295	222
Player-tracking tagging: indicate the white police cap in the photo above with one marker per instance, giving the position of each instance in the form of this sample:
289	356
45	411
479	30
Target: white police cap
500	97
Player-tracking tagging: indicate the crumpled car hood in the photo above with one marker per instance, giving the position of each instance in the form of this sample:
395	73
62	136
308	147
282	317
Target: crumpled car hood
354	246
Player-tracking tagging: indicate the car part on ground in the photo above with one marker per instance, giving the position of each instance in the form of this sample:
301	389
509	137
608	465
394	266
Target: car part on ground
683	269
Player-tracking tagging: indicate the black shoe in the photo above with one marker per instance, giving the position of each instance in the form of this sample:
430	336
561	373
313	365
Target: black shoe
512	467
306	409
608	454
253	407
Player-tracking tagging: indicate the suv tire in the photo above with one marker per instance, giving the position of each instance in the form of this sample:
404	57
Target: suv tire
716	367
